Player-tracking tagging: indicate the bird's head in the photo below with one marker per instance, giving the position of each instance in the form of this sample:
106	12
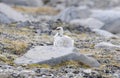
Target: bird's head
59	30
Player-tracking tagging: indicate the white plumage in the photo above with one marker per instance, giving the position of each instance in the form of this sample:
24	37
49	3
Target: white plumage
61	40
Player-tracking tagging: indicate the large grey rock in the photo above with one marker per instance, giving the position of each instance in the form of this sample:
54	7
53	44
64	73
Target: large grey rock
116	8
89	22
83	11
67	15
113	27
72	13
24	2
4	19
104	33
10	14
54	55
107	16
111	18
106	45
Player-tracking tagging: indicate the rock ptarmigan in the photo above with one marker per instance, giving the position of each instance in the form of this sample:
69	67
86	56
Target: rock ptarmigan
61	40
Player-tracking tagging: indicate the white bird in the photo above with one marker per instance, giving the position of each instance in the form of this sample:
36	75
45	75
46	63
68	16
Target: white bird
61	40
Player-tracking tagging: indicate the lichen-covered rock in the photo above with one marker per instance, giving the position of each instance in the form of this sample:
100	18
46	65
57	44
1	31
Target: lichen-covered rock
54	55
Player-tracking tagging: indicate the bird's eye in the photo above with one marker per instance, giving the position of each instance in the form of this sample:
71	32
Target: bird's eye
58	29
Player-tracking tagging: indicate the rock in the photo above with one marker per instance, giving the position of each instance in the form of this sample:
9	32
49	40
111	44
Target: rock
4	75
24	2
21	24
118	34
87	71
92	4
42	54
4	19
72	13
67	15
45	18
60	7
106	16
105	4
54	2
116	8
113	27
10	14
83	11
111	18
54	55
104	33
116	74
89	22
72	3
65	3
107	45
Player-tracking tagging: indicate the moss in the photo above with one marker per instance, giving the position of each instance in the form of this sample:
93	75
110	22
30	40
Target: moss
7	60
16	46
13	24
10	62
67	63
13	30
71	63
92	46
3	58
15	40
20	46
38	66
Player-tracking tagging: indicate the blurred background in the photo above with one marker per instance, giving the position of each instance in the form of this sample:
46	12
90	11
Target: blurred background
103	14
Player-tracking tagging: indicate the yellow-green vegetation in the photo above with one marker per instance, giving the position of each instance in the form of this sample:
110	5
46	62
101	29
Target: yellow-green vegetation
13	30
71	63
37	10
66	63
15	40
38	66
16	46
3	58
46	38
90	51
7	60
